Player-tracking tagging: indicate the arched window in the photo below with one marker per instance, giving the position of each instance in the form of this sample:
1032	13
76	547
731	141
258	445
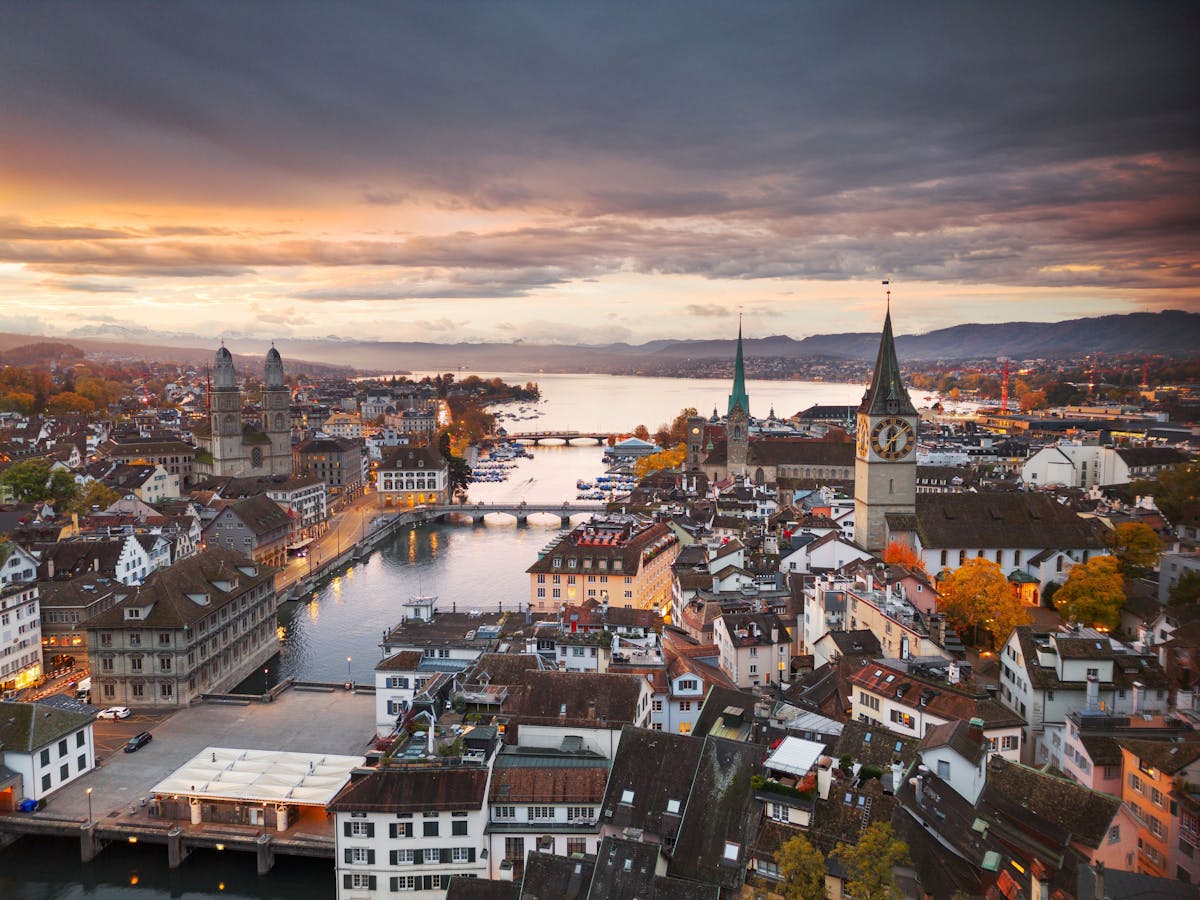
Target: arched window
759	476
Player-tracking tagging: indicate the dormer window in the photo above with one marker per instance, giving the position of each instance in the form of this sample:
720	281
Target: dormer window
556	562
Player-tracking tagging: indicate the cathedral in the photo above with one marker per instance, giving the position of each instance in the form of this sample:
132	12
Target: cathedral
231	446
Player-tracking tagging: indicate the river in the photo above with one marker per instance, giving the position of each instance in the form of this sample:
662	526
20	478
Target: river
463	566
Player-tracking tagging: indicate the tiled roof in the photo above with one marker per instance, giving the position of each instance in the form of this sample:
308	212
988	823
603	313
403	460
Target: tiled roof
560	877
412	790
404	661
167	590
27	727
652	769
941	699
1167	756
580	697
529	780
1016	520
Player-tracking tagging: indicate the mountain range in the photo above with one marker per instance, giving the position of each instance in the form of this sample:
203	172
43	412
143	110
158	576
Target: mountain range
1170	332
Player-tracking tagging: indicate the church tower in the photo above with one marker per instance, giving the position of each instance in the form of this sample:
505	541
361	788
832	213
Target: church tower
885	464
225	414
737	419
276	424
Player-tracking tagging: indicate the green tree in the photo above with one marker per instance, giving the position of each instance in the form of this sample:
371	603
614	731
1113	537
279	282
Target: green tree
1093	593
1136	547
803	869
1175	489
458	474
1186	589
95	493
976	595
32	481
870	863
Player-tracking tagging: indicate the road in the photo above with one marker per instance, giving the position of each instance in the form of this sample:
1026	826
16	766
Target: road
347	527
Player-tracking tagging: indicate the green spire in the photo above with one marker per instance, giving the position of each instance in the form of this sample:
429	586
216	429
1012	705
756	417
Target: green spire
886	396
739	397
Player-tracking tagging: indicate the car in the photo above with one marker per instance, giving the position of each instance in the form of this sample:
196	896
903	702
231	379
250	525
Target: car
114	712
138	741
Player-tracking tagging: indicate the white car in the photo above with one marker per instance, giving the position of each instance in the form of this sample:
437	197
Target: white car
114	712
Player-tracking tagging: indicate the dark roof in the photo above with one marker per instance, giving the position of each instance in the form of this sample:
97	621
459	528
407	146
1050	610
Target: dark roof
958	737
716	702
658	767
261	514
404	661
502	668
721	809
580	697
1140	457
27	727
874	745
426	457
1017	520
1166	756
624	870
413	789
216	577
797	452
560	877
1015	792
554	778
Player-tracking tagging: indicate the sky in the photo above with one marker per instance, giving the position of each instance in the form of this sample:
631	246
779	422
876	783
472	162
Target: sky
590	172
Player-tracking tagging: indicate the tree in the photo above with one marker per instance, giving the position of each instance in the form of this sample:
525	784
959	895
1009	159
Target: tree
458	474
1093	593
642	433
671	458
901	554
1136	547
977	594
1033	400
870	863
1176	489
32	481
95	493
803	869
1186	589
69	402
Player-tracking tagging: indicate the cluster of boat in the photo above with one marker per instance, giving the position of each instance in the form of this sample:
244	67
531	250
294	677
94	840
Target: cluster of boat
605	486
522	414
499	462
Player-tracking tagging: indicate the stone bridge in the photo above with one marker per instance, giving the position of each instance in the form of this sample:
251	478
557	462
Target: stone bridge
536	437
519	511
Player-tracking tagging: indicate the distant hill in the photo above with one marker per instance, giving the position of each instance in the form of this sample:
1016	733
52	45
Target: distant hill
1173	333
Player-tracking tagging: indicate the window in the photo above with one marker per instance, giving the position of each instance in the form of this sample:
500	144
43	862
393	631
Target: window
62	748
731	851
1136	783
1010	742
360	881
576	845
626	796
45	782
902	718
778	812
358	828
401	830
44	758
504	812
64	771
358	855
81	763
685	705
79	739
166	690
586	813
657	705
431	829
541	812
1114	834
458	828
943	767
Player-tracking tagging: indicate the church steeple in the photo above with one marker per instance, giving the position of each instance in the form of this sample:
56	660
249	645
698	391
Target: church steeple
886	396
739	398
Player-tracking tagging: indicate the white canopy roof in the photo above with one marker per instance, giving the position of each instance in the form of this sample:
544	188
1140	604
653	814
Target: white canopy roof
795	756
266	776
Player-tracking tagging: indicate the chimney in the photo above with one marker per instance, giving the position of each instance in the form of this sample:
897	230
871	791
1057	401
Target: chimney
1039	881
591	709
975	730
952	673
824	776
50	569
1138	690
897	772
774	633
1092	703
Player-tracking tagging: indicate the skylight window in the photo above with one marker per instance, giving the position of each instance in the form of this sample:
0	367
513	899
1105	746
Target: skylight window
627	796
673	806
878	672
731	851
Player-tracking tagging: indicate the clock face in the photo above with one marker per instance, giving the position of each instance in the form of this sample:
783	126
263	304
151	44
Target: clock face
864	438
892	438
695	429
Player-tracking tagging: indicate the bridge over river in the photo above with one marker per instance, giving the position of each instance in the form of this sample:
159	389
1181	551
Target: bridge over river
536	437
519	511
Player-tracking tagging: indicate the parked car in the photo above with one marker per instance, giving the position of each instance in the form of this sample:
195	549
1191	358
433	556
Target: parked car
138	741
114	712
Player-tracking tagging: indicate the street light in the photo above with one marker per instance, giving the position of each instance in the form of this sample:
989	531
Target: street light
348	678
89	796
266	680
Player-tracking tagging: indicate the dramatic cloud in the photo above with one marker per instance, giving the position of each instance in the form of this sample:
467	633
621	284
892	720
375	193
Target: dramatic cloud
330	159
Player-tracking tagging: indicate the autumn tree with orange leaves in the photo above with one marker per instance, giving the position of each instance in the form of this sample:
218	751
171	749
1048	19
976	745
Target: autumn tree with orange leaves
977	595
901	554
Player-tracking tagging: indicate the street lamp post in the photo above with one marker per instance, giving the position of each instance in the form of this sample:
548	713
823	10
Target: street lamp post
266	680
89	796
349	679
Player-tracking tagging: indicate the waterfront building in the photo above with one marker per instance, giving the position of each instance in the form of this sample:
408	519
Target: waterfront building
412	476
305	499
45	747
406	830
67	607
20	637
623	560
885	462
200	626
230	446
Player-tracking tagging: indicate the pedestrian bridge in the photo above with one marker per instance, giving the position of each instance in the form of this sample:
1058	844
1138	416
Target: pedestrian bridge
521	512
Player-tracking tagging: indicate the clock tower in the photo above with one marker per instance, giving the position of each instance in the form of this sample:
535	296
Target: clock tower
885	463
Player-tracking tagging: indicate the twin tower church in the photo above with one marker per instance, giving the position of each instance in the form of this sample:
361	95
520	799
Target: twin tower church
231	445
882	462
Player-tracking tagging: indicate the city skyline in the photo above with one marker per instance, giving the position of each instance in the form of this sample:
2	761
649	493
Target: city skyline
591	173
